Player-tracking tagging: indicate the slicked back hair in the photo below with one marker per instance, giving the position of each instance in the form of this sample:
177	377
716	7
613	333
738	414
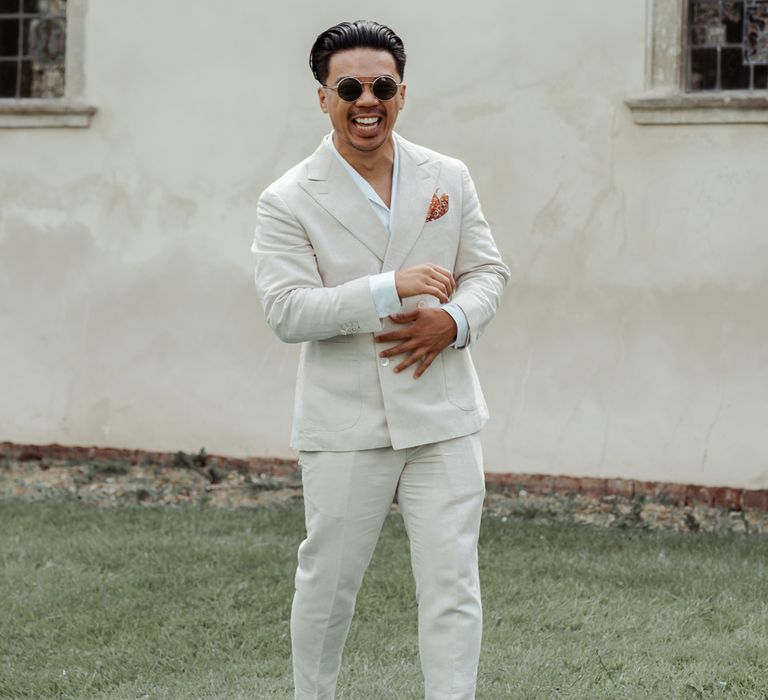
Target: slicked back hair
361	33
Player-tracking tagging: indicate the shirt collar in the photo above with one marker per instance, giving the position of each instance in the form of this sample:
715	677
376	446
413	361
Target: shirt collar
362	183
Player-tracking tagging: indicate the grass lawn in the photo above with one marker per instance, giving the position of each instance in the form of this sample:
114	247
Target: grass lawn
189	603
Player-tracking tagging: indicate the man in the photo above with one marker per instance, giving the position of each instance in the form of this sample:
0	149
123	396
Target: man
374	254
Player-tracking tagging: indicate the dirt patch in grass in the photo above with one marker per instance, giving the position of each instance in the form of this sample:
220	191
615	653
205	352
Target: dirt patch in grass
196	479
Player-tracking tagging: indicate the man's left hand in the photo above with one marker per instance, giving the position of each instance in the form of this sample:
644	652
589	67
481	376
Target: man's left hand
426	333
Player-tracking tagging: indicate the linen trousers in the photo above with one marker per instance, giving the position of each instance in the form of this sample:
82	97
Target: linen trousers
440	489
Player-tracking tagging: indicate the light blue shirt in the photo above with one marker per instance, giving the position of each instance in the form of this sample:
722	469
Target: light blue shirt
383	288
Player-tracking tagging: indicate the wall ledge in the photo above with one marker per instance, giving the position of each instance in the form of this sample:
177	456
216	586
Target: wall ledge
731	107
729	498
42	113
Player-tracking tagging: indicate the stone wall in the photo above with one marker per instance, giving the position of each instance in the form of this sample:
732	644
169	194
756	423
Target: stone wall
631	343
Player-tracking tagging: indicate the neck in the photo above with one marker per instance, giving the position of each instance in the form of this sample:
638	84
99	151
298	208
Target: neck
368	162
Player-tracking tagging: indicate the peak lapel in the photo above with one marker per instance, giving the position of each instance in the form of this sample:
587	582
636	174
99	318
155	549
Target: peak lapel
416	184
333	189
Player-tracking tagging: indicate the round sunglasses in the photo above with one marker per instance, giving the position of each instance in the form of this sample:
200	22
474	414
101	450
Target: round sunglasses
349	89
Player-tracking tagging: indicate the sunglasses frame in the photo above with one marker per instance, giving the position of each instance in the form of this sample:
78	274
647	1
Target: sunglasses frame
361	83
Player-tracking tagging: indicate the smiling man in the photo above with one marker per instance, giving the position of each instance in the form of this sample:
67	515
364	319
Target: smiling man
373	253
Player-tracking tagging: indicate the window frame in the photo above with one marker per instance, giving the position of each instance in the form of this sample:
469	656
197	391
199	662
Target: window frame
665	100
70	110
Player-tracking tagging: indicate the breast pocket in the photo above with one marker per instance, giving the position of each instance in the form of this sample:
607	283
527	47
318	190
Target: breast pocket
438	243
331	398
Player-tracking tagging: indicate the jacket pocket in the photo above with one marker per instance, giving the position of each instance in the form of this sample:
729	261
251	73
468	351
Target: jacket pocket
329	397
461	384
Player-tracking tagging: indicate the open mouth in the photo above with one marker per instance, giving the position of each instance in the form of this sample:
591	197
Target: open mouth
367	123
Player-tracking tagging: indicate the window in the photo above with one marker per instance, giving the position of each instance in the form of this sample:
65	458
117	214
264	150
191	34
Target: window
706	62
32	48
41	53
727	45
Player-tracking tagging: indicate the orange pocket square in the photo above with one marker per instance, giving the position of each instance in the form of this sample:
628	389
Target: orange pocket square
437	207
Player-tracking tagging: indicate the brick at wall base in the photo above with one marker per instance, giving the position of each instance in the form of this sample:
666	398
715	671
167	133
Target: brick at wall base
678	494
755	499
675	494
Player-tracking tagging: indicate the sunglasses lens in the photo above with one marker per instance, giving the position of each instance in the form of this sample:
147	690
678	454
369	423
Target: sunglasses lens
349	89
384	88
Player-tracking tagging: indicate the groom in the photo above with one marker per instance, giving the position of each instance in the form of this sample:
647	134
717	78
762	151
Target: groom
374	254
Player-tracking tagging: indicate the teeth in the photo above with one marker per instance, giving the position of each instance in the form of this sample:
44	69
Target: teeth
366	121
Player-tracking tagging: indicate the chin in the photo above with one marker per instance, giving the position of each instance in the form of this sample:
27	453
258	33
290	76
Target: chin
367	147
369	144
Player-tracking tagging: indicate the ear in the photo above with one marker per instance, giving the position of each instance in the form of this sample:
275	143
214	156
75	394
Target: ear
322	96
402	96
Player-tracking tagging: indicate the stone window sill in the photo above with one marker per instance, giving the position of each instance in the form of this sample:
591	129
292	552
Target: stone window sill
40	113
687	108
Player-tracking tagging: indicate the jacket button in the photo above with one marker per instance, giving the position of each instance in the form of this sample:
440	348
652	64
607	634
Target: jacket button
384	361
420	304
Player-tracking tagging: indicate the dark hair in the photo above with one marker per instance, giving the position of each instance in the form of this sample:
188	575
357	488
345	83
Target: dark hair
362	33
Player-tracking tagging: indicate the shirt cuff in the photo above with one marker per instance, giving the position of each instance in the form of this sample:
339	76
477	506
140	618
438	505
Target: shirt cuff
384	293
462	326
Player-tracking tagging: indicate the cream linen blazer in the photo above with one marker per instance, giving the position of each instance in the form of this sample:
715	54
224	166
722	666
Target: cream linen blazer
317	241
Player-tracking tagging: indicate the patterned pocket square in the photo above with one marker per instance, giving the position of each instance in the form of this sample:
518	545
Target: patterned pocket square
437	207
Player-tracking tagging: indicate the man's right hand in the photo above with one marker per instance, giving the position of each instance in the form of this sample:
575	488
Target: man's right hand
425	279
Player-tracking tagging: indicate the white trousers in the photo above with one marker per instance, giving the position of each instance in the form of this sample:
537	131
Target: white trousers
347	495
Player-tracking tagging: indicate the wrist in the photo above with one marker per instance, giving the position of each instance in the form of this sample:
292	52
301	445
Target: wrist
454	327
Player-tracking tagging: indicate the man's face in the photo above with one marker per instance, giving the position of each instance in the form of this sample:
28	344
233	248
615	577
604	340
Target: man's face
366	65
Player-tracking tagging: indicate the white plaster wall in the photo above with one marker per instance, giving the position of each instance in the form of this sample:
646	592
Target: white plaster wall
632	341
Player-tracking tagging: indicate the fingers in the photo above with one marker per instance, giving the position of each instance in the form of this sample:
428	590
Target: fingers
445	277
396	350
424	360
440	293
406	317
416	353
431	331
439	283
400	334
391	336
426	278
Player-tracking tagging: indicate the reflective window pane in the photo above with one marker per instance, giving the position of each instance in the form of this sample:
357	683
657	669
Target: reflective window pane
11	6
9	37
7	79
733	21
705	11
734	73
756	34
703	69
25	89
761	78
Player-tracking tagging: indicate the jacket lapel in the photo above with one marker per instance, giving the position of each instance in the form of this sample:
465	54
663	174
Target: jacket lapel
416	184
333	189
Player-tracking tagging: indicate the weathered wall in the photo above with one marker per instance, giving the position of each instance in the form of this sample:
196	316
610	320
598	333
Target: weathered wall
632	341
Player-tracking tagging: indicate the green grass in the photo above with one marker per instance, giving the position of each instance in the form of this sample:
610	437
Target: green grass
186	603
